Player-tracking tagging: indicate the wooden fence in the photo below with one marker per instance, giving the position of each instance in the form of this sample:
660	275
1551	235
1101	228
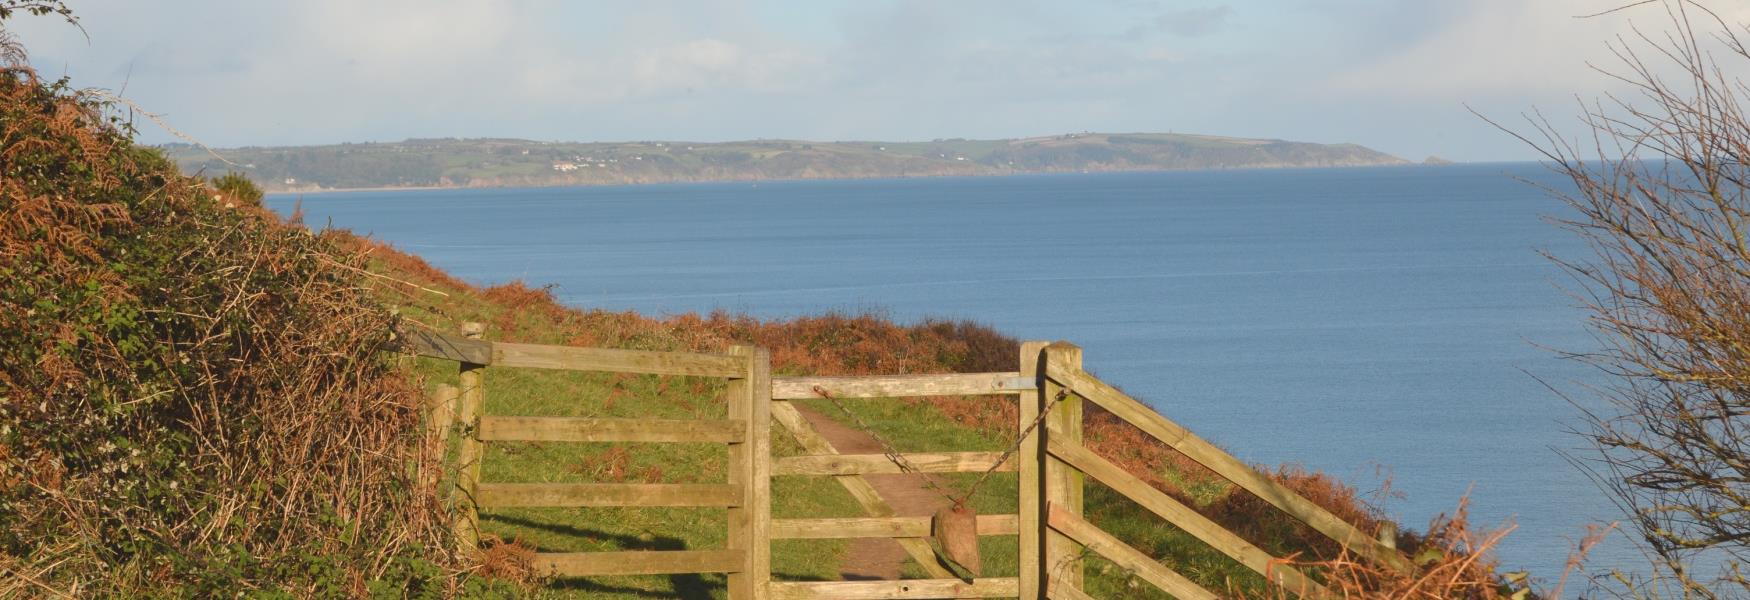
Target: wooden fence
1052	534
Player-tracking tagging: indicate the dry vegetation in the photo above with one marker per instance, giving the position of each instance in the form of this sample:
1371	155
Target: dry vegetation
193	397
1661	193
1453	559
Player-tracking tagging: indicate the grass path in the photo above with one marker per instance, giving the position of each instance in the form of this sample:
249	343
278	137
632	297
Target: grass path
877	558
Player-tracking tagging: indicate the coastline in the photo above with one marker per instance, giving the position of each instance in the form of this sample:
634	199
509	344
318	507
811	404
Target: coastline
1012	173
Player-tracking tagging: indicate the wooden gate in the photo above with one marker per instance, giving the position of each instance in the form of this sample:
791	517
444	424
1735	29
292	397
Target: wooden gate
745	558
1051	532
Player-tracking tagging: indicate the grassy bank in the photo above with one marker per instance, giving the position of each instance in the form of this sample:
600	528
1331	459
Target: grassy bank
821	345
198	398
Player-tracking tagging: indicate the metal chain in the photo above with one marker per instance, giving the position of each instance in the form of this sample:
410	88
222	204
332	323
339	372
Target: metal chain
905	464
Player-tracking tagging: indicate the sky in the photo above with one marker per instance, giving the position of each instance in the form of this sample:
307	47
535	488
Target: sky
1394	75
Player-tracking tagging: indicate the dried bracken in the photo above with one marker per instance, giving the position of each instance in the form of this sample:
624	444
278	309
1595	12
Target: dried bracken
194	398
1661	196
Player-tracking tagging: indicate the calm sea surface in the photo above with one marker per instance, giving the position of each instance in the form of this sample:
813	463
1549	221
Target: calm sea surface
1364	322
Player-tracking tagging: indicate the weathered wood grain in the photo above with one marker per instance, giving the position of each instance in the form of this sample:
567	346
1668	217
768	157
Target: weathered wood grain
570	495
471	381
638	562
1189	520
866	464
437	345
860	489
1063	484
878	527
569	429
898	386
1224	464
535	356
906	589
750	464
1121	554
1030	511
1056	590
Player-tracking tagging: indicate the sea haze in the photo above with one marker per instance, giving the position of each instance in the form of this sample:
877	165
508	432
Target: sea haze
1368	322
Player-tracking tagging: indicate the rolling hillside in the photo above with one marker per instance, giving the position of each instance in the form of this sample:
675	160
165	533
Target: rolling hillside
511	162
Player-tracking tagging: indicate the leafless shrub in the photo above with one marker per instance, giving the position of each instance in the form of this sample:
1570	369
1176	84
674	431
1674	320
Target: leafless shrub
1659	194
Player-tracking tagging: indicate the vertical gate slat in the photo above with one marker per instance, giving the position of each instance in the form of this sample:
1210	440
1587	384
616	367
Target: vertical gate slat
472	380
1030	512
1063	483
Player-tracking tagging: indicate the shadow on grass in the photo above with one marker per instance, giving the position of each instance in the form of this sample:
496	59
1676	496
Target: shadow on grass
685	586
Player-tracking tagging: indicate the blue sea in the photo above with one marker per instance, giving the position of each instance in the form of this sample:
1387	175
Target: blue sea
1380	324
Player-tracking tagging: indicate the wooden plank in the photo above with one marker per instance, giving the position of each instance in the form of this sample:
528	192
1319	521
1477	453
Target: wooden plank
897	386
1063	484
638	562
567	429
1030	506
865	464
440	418
471	381
501	495
1224	464
749	466
877	527
1121	554
905	589
1056	590
437	345
859	488
440	414
760	486
1189	520
536	356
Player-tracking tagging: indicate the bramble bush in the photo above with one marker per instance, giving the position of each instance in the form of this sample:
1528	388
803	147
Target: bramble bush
194	397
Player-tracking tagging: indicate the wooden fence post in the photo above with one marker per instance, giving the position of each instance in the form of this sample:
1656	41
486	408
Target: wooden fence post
471	380
440	416
750	466
1063	483
1030	516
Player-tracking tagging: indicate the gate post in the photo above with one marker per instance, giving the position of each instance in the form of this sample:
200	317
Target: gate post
471	379
1063	483
1029	461
750	466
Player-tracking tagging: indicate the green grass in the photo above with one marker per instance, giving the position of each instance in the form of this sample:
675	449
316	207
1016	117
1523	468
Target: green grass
911	427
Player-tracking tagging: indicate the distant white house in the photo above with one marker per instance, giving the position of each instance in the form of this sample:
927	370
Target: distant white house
564	167
291	181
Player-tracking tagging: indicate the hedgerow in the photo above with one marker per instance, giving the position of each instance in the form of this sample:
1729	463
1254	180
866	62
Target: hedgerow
194	397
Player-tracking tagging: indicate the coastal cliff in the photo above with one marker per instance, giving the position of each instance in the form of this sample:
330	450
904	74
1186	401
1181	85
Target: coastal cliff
513	162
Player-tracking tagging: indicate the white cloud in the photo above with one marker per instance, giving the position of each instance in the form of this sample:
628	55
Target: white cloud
1379	72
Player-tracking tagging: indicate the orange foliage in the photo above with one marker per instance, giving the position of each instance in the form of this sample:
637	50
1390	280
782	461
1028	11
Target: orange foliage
865	344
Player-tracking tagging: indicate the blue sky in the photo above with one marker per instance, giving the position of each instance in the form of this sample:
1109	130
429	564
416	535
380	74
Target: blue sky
1393	75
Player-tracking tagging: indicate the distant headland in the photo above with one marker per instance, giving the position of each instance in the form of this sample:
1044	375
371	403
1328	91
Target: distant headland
493	162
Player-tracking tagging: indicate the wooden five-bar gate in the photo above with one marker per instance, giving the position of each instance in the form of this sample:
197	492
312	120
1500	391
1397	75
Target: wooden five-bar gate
1052	534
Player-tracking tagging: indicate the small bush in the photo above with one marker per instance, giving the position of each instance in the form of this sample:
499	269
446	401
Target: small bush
194	399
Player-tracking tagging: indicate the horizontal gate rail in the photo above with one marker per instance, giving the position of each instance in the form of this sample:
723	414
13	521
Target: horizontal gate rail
577	495
638	562
569	429
569	358
1055	590
1187	519
878	527
1121	554
993	587
867	464
900	386
1224	464
873	505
